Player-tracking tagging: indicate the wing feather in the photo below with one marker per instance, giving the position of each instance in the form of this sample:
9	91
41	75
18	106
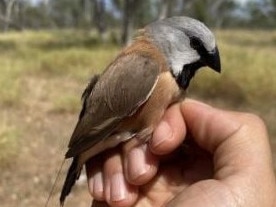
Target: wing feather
118	93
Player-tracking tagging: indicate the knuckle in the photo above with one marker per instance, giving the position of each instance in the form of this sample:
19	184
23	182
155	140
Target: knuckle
254	121
254	118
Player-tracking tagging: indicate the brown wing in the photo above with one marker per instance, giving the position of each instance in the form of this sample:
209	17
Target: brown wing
119	91
86	94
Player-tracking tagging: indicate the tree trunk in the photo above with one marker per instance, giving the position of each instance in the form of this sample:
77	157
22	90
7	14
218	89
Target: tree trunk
164	8
3	6
87	10
99	21
186	5
8	12
128	21
214	7
21	14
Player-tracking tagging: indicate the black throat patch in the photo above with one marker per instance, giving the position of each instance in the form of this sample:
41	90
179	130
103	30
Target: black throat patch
188	73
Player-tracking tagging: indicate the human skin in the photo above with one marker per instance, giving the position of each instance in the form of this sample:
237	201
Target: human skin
227	163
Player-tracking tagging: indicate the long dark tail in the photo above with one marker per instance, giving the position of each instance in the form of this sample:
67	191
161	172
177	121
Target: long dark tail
72	175
54	185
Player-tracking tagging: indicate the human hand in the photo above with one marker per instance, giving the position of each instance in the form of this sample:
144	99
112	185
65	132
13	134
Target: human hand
230	164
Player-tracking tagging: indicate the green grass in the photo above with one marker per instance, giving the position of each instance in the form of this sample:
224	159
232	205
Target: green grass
47	71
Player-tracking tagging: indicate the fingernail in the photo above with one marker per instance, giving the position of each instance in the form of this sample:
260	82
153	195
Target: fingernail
98	184
118	189
137	163
162	132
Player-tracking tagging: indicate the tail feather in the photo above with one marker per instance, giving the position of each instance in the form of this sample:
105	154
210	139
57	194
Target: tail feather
73	172
72	175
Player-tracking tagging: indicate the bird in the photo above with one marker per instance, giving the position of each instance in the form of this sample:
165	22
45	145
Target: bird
129	98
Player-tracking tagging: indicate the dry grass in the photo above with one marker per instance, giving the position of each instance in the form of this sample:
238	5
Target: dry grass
249	64
8	142
42	77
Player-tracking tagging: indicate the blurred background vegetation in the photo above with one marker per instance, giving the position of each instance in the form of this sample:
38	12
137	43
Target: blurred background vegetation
49	49
124	15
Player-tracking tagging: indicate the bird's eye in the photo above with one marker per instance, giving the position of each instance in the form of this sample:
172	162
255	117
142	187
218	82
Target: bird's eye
195	43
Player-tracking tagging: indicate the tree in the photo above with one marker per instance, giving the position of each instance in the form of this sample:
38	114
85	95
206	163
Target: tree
128	20
262	13
36	16
99	18
6	14
169	8
213	12
135	14
273	15
65	13
87	8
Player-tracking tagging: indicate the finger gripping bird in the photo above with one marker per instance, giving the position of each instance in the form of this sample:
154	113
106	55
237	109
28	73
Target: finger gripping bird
129	98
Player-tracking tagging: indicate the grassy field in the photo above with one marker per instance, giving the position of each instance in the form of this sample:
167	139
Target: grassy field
44	73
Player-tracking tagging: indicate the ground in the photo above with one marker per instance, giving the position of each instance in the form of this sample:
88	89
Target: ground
43	75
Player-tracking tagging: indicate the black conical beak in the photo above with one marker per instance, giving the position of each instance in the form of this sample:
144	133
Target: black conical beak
213	60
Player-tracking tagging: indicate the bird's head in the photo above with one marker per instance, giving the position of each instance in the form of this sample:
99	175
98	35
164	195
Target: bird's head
187	45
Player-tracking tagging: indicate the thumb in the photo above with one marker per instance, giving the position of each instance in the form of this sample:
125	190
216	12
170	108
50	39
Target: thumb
209	126
243	173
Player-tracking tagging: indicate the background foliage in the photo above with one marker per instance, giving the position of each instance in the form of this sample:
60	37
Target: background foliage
49	49
104	15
